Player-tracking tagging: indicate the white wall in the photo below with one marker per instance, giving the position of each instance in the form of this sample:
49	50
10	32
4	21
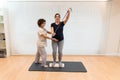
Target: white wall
85	32
113	40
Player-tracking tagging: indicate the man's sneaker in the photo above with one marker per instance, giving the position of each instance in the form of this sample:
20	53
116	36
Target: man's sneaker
53	64
60	64
44	66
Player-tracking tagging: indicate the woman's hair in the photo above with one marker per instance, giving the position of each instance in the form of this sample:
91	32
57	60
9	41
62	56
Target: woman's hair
41	21
57	14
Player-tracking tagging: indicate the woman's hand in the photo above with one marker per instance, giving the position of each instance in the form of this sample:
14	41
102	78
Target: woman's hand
54	39
53	34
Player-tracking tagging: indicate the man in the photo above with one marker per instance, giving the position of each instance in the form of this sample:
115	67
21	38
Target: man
57	31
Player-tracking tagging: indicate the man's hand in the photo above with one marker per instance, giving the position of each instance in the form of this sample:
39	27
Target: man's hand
69	10
68	15
54	39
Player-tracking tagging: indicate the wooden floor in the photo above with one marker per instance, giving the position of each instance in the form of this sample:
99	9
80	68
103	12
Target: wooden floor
98	67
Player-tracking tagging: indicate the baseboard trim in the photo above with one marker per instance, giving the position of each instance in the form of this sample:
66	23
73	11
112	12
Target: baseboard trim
64	54
73	54
112	54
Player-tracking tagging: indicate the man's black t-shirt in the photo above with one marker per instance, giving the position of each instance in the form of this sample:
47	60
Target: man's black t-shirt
59	32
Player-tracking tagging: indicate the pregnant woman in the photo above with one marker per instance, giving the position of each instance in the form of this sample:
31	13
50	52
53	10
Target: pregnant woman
57	31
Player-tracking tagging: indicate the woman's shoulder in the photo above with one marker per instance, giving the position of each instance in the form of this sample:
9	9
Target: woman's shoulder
40	29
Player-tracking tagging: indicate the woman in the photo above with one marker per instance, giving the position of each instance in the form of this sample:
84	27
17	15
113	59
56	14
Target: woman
42	43
57	31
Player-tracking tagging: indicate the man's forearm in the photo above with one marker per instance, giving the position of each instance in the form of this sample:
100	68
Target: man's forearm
67	17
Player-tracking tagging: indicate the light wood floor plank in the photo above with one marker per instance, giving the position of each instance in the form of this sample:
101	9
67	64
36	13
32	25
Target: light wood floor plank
98	67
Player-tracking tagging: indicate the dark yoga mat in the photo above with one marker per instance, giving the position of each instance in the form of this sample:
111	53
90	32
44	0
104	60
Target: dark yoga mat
69	67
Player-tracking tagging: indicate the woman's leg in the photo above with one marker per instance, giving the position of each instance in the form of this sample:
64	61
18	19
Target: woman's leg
54	48
43	55
37	58
60	48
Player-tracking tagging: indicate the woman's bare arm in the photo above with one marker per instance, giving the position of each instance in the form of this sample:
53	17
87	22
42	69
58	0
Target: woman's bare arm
45	36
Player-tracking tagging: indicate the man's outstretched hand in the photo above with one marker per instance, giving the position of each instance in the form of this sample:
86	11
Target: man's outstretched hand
54	39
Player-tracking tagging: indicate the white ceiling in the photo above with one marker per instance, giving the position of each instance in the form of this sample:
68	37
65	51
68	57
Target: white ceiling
59	0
